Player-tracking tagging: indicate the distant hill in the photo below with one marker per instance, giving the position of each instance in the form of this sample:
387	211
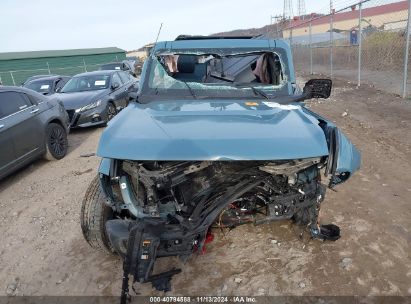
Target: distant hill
268	29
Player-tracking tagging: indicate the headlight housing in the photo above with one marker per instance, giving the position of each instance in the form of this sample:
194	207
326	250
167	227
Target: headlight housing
89	106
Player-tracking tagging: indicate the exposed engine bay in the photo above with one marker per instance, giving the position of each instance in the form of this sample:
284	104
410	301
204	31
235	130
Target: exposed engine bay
167	208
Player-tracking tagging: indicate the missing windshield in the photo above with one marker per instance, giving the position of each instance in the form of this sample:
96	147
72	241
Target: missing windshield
208	75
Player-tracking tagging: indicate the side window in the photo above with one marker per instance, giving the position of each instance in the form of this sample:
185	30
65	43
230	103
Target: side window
59	84
116	79
34	99
124	77
12	102
125	67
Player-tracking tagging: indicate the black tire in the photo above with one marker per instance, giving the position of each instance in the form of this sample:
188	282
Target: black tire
93	217
111	111
56	142
302	217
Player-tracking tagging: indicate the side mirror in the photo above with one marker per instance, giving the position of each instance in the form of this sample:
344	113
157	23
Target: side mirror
114	86
58	89
317	88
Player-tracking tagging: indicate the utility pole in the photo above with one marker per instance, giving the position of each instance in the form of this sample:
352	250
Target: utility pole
360	41
288	9
278	19
407	43
331	37
288	14
271	23
311	45
12	78
301	9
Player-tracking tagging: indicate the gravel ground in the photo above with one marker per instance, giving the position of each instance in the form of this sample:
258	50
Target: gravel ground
43	251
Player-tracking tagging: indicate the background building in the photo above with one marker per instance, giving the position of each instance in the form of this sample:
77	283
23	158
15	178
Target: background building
15	67
391	16
142	53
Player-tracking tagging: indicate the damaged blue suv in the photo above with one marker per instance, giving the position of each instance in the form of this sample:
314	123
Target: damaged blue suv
218	135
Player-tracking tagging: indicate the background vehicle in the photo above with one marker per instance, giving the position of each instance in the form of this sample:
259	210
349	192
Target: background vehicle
31	126
125	65
47	85
226	141
36	77
94	98
138	66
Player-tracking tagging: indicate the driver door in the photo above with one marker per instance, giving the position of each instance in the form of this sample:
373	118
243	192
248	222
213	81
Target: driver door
6	146
119	93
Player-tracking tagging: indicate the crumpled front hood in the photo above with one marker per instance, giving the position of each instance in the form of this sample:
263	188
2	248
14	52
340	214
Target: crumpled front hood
72	101
212	130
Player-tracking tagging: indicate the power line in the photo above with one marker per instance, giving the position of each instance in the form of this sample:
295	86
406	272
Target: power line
288	9
301	8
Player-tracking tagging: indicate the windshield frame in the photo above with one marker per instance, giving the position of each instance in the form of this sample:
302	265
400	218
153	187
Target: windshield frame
148	94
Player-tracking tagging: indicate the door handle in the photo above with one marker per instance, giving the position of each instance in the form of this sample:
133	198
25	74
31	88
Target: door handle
1	126
34	111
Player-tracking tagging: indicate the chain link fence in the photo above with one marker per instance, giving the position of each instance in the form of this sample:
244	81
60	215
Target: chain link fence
17	77
361	41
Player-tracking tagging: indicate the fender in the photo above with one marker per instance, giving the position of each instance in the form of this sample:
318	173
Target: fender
344	158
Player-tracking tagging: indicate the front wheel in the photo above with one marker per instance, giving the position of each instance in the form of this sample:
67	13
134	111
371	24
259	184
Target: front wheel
93	217
111	111
56	142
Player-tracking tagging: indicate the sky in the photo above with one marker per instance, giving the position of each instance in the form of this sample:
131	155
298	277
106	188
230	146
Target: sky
29	25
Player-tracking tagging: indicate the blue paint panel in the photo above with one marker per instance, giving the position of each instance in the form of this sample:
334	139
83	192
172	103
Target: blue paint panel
349	158
215	43
211	130
105	166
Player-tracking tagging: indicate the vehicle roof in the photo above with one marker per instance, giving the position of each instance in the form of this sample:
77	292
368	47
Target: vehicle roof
116	62
99	72
41	76
17	89
212	42
48	77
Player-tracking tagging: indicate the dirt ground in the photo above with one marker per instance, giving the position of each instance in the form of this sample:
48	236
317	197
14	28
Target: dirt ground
43	252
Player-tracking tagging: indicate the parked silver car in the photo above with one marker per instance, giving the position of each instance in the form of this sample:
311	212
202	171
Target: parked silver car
31	126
